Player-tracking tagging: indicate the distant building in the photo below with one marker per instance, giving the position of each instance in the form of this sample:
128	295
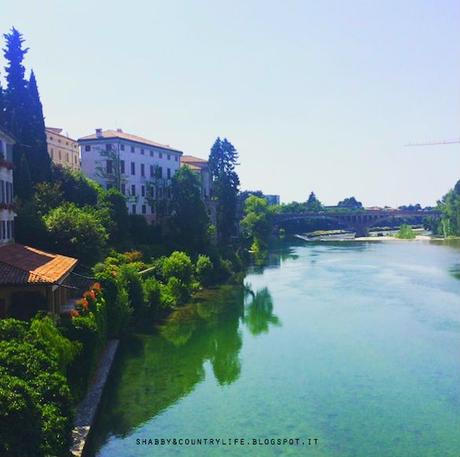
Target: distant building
272	199
201	168
7	213
140	168
62	149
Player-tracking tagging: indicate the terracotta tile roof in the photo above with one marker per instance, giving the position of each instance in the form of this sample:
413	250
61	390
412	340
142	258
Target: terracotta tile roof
106	134
191	166
195	163
26	265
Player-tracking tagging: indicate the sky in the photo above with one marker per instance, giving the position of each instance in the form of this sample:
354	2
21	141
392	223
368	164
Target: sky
316	96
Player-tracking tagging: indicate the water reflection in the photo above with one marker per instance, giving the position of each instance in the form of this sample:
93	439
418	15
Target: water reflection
258	313
153	372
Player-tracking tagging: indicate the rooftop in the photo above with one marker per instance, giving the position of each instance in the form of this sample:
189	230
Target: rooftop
21	265
58	131
110	134
195	163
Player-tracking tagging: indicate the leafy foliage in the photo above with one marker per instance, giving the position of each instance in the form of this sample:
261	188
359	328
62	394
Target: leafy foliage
225	182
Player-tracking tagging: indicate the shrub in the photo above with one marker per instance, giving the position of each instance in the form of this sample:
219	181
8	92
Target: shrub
204	270
77	232
405	232
178	290
179	265
130	279
152	293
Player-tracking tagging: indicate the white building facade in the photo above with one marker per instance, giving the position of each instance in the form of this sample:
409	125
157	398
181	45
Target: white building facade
7	213
62	149
140	168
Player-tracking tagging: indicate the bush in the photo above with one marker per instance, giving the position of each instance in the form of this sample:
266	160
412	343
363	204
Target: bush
77	232
179	265
405	232
204	270
152	294
130	279
35	399
179	292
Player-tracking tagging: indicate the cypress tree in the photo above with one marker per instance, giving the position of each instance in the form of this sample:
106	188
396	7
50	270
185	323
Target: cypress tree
40	161
24	117
16	92
225	181
2	108
22	179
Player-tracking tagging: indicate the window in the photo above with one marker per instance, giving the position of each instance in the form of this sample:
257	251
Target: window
175	158
143	190
133	189
122	147
52	153
2	191
169	156
133	209
67	157
151	153
109	167
51	138
122	166
159	172
123	188
169	173
59	153
152	171
4	230
76	159
160	154
142	151
133	168
133	149
108	147
144	209
142	169
87	147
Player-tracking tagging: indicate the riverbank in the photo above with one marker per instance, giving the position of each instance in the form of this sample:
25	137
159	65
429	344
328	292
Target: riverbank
87	409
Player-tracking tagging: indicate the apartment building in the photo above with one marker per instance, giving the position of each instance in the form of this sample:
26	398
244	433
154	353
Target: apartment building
140	168
62	149
7	213
201	168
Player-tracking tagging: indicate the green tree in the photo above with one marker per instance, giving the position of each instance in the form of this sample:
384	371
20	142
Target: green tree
405	232
225	182
39	159
189	219
313	204
179	265
114	201
450	208
257	223
204	270
77	232
24	117
350	203
47	196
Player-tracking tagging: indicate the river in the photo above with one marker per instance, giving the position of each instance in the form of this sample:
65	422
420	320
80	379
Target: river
356	345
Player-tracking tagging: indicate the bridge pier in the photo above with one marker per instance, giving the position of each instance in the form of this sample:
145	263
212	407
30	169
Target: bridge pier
361	230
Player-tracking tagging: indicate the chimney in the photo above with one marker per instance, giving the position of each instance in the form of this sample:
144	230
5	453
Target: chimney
119	130
98	133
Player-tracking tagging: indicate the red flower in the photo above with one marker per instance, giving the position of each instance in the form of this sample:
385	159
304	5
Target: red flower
84	303
96	286
74	313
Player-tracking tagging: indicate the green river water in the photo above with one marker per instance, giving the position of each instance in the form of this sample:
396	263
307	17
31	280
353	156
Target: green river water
354	344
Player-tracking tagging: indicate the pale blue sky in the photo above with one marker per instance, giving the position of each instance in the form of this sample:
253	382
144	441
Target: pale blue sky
315	95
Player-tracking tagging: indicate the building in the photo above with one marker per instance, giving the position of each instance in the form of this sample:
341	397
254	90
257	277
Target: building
140	168
32	280
201	168
7	213
62	149
272	199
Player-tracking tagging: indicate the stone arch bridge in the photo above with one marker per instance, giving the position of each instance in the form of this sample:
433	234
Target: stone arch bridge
358	221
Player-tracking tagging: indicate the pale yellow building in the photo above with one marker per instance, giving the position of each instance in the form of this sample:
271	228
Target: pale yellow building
62	149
